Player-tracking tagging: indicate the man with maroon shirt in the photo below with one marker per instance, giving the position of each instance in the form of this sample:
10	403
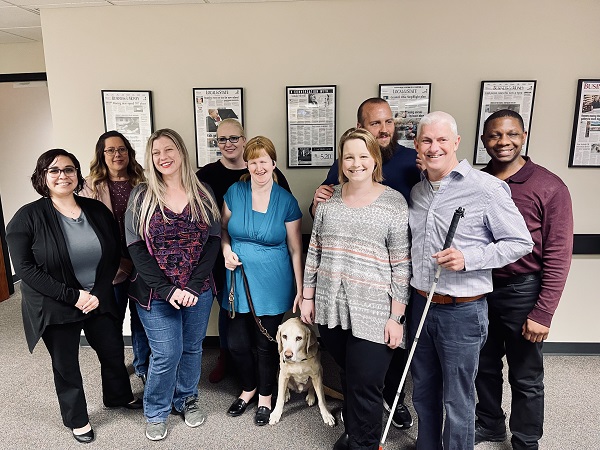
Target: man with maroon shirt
526	292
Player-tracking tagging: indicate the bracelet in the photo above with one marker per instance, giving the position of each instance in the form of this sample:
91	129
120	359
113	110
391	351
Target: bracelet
308	298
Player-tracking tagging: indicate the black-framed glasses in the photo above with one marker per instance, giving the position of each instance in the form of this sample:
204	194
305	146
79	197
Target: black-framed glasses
55	172
111	151
232	139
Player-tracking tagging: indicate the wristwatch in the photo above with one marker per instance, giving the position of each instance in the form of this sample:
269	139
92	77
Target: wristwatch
400	319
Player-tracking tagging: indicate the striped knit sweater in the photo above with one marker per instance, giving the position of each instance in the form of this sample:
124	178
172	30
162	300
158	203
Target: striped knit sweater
359	261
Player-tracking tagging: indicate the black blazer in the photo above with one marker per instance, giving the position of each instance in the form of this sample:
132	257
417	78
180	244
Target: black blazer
40	257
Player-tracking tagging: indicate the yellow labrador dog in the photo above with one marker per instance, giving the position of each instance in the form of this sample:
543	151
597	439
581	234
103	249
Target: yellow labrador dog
299	368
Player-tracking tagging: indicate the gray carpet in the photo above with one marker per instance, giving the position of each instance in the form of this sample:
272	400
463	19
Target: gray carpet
30	418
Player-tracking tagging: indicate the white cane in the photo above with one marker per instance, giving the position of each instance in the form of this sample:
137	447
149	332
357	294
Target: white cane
460	212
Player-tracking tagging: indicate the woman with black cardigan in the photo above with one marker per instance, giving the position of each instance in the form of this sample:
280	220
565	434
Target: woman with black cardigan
65	250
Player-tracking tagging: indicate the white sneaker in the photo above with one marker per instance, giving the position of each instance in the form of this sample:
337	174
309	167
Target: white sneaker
192	413
156	431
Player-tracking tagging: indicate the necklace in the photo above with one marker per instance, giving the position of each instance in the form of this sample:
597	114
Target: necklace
70	214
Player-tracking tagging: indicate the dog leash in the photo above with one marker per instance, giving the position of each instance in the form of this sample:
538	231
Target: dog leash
231	311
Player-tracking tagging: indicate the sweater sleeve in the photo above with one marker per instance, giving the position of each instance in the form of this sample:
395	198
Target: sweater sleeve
21	235
557	241
145	264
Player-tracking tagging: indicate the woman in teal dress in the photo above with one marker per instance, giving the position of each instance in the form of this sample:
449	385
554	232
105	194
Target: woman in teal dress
261	230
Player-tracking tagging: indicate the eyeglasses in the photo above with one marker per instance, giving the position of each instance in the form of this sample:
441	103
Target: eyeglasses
232	139
111	151
55	172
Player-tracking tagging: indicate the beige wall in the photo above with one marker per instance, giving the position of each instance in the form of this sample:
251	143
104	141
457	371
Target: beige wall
22	58
25	130
355	44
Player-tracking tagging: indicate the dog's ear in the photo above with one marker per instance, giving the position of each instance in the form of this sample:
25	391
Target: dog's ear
278	339
311	342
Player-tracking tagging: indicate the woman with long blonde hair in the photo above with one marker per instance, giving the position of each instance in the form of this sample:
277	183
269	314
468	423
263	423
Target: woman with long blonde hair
173	235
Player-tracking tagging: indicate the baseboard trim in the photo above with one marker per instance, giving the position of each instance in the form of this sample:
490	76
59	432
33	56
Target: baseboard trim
572	348
550	348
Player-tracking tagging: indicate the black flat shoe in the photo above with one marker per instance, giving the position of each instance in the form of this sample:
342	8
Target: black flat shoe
238	407
84	438
138	403
342	442
262	416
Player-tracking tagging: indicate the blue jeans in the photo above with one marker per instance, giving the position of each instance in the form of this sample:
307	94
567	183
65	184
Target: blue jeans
175	337
139	340
443	369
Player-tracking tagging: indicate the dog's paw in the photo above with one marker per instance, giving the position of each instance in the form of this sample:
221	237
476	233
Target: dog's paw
310	399
328	418
287	396
274	417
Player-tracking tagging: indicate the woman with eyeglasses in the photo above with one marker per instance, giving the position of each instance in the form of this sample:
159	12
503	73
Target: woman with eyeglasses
65	250
114	172
220	175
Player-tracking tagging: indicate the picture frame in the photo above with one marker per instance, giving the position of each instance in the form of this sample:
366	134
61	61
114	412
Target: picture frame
211	106
409	102
311	125
129	113
518	96
585	139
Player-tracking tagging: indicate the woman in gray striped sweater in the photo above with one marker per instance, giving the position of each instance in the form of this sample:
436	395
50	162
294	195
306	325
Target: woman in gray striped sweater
356	282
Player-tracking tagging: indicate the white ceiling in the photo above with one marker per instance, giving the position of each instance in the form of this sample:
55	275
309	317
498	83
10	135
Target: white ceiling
20	19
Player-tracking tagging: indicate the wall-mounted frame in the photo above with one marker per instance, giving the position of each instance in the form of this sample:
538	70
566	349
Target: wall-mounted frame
130	113
211	106
409	103
311	119
518	96
585	140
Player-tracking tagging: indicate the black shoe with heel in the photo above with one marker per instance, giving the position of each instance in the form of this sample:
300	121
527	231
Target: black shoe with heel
262	416
84	438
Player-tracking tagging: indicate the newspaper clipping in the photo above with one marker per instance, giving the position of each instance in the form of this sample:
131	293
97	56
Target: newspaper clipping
409	103
311	125
585	146
517	96
130	113
211	106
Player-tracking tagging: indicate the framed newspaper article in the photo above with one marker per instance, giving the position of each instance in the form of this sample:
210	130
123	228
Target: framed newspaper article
129	113
517	96
211	106
585	141
311	119
409	102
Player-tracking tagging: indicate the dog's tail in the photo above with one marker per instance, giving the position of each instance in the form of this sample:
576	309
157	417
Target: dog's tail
332	393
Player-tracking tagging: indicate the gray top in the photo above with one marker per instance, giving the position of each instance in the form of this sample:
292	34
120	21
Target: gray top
84	248
359	261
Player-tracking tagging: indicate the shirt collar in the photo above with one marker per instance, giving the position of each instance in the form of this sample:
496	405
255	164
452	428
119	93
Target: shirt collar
463	168
524	172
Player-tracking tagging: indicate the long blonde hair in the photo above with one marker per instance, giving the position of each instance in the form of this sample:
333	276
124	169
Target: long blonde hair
201	201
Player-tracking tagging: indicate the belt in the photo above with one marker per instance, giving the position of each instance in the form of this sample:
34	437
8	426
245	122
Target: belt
517	279
442	299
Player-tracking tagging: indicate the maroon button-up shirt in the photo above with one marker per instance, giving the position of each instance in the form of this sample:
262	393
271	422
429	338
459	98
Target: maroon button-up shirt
545	203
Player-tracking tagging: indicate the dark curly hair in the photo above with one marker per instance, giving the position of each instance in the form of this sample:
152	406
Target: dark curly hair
38	178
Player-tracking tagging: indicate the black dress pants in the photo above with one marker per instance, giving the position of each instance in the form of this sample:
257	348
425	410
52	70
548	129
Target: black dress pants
363	367
508	307
103	333
243	336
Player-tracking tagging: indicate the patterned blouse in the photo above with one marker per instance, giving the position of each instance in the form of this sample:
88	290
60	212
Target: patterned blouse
177	245
359	261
